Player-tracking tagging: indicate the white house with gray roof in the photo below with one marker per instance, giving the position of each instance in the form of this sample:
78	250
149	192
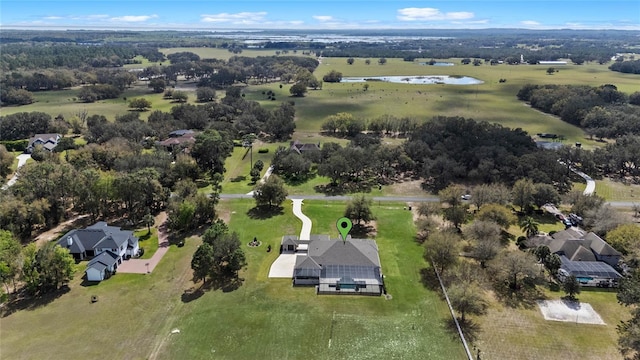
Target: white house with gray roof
334	266
107	245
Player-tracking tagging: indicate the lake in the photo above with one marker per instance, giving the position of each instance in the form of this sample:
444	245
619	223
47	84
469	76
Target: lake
419	79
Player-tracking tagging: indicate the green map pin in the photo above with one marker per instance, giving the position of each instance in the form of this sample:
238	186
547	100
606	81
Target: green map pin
344	225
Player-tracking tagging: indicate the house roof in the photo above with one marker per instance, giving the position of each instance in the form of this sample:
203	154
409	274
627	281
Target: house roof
568	234
181	132
361	252
300	147
600	246
589	269
99	235
45	138
105	260
575	245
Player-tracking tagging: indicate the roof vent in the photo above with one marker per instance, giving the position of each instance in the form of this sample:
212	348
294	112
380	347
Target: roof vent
69	241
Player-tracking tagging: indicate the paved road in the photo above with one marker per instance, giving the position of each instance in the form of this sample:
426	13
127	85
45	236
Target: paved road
22	159
622	204
342	198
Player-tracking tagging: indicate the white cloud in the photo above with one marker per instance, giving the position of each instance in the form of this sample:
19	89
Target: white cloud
53	17
324	18
237	18
529	23
133	18
431	14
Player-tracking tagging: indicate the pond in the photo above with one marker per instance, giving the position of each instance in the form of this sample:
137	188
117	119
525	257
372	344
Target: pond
420	79
437	63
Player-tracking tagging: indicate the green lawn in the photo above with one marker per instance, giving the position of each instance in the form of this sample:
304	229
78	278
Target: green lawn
270	319
127	321
62	102
522	333
148	241
263	318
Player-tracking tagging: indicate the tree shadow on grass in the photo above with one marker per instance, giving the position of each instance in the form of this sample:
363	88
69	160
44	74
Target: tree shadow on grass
299	180
23	301
191	294
469	328
362	231
344	188
430	280
525	296
265	212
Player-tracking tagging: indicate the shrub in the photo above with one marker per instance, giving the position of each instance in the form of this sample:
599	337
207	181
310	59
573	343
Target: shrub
263	151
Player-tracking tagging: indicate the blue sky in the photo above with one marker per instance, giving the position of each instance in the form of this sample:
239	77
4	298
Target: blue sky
328	14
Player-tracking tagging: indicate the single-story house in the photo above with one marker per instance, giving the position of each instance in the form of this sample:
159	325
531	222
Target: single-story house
337	267
47	141
178	139
300	147
584	255
107	245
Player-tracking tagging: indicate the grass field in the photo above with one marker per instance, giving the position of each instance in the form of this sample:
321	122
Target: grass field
275	321
62	102
265	318
522	333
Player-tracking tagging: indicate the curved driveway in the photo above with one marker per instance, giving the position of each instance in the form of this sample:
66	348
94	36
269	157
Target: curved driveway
591	184
305	233
22	159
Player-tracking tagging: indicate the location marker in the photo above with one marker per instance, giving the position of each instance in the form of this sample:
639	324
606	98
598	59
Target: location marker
344	225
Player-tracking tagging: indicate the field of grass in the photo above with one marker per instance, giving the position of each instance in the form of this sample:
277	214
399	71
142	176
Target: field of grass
271	319
522	333
221	54
62	102
126	321
265	318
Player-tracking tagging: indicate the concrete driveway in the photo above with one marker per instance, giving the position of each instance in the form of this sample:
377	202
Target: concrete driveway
22	159
283	266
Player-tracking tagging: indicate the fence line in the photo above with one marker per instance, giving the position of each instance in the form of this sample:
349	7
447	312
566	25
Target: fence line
453	314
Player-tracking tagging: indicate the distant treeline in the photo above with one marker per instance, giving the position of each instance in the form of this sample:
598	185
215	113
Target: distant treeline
629	67
602	111
233	115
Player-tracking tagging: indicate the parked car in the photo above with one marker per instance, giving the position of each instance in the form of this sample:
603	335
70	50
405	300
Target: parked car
466	197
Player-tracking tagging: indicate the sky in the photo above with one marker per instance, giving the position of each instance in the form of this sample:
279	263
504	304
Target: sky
327	14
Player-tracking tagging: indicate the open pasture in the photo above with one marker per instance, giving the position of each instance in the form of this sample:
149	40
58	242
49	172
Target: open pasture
268	318
265	318
65	102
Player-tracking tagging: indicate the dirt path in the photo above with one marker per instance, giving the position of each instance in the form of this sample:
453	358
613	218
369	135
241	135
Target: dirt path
63	227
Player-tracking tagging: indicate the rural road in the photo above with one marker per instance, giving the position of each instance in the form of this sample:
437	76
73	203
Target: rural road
621	204
305	233
22	159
